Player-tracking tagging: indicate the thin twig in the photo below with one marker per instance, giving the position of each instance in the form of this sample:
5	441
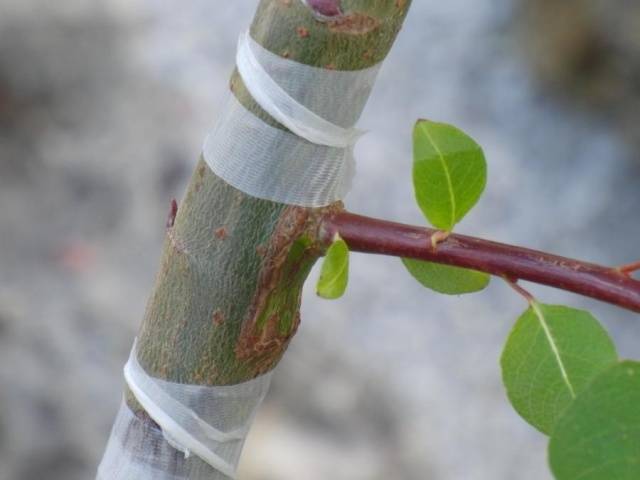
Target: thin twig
370	235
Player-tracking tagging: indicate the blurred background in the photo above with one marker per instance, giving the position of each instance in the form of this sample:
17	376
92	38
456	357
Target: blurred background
103	109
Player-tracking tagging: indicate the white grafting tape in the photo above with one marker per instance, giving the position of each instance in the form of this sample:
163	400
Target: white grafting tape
208	422
278	103
269	163
310	165
137	452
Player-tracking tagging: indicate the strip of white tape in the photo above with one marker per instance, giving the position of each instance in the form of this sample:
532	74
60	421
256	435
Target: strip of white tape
311	164
272	164
138	451
210	423
281	106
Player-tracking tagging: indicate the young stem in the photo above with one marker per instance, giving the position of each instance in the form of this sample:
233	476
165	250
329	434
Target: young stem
370	235
630	268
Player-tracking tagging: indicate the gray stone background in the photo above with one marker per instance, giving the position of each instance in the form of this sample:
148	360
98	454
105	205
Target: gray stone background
103	109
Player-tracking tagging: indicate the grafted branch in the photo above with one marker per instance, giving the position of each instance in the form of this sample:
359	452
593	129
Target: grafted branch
369	235
226	299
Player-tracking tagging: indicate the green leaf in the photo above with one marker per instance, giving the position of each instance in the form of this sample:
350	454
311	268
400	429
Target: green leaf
599	435
449	172
446	279
334	275
551	355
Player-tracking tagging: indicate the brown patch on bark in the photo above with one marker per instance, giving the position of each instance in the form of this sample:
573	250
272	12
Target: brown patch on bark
354	24
302	32
217	318
221	233
263	350
401	3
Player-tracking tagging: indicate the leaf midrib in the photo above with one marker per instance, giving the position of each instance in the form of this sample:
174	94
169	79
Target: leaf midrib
447	176
332	281
554	348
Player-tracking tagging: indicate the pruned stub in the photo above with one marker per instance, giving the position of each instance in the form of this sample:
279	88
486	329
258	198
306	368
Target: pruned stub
326	8
274	315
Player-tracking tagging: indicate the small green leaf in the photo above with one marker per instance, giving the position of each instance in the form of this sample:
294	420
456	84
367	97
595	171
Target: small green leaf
334	275
599	435
446	279
449	172
551	355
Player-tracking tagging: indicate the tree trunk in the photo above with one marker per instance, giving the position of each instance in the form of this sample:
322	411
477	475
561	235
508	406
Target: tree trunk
226	299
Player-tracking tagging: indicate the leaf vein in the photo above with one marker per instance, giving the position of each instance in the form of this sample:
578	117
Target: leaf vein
554	348
447	176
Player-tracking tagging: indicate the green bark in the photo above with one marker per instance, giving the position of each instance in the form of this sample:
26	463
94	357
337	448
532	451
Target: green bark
227	296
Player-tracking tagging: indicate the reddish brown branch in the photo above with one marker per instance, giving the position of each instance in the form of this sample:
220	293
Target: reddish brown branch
369	235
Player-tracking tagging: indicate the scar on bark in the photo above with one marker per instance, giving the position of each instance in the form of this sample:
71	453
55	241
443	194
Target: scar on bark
354	23
221	233
262	347
263	339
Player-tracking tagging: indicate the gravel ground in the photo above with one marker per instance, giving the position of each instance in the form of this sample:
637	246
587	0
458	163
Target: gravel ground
103	108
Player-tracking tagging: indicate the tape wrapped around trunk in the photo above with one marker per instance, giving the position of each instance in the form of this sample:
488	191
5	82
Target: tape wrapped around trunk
195	422
309	161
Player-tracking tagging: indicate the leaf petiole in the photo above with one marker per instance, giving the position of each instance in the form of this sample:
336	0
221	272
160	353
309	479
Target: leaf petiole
629	268
524	293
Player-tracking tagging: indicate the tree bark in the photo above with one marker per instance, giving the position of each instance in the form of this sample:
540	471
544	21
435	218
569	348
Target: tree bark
226	299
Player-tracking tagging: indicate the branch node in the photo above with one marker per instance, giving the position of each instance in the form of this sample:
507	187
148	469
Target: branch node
439	237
